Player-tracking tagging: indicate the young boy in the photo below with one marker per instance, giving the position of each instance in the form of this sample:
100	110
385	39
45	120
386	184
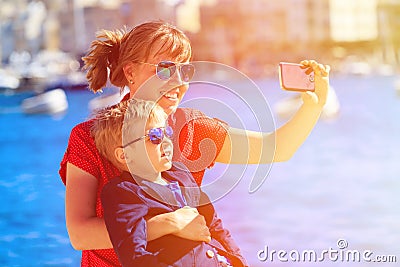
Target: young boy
133	135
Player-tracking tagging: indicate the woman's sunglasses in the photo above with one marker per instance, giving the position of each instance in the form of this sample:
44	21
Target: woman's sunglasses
156	135
166	69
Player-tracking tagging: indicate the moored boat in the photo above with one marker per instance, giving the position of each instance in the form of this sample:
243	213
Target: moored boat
49	102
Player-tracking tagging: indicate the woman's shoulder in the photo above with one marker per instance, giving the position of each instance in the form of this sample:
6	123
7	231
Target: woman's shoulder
82	129
187	113
182	116
83	126
81	140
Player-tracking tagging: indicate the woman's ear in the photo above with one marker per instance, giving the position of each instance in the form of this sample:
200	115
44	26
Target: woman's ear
128	72
120	155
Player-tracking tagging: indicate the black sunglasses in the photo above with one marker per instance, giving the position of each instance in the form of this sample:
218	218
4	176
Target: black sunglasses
156	135
165	70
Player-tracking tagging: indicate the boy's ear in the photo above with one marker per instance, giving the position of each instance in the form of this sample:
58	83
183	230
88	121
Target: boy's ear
120	155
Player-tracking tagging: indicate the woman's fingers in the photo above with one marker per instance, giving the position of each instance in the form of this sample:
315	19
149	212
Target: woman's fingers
318	68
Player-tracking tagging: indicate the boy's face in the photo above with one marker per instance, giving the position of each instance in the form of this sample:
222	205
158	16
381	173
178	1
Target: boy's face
147	158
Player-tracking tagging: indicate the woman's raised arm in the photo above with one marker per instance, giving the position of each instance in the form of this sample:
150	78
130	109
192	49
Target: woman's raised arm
247	147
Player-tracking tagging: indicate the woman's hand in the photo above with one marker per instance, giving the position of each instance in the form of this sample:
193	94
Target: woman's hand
321	75
191	225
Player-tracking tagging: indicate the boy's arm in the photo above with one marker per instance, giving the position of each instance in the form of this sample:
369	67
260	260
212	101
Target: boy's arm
124	213
219	233
185	222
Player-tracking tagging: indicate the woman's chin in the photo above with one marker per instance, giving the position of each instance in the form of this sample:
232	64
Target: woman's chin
169	109
169	105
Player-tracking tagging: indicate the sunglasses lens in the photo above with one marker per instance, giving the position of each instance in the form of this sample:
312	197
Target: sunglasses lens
165	70
187	72
156	135
169	132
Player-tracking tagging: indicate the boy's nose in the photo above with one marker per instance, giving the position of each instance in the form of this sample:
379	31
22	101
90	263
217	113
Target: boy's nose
166	145
166	142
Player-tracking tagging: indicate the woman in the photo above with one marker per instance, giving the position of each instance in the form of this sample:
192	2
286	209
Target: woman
130	59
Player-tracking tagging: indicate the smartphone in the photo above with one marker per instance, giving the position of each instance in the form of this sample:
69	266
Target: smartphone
295	77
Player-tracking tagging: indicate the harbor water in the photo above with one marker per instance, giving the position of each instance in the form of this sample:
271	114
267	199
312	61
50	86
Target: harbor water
339	192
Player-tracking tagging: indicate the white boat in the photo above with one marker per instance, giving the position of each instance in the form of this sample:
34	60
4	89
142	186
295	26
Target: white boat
49	102
397	86
8	80
111	98
47	70
287	107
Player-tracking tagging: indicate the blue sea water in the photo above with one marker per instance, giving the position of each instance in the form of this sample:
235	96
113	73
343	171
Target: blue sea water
32	221
342	184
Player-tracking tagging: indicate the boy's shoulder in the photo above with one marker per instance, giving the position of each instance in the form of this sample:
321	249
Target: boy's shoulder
122	183
180	173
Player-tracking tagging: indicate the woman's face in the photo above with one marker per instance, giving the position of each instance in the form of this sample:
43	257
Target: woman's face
147	86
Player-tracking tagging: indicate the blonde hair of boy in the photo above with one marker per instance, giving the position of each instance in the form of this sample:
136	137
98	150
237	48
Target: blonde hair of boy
110	123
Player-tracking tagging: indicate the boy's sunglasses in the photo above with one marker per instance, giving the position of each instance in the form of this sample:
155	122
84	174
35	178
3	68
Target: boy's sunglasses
156	135
166	69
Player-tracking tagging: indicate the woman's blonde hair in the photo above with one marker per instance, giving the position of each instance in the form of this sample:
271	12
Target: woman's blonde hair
112	50
110	123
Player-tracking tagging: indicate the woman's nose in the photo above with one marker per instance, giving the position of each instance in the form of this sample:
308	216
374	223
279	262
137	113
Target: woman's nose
176	77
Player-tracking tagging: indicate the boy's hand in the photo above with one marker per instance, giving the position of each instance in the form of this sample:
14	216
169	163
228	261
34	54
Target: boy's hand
191	225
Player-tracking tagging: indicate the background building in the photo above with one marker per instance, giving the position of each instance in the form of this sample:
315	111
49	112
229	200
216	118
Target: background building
249	34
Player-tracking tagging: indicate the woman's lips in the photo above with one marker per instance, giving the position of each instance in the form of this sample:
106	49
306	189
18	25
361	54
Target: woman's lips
171	96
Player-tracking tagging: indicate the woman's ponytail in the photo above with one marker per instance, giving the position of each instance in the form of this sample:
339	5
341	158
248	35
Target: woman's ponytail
102	58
